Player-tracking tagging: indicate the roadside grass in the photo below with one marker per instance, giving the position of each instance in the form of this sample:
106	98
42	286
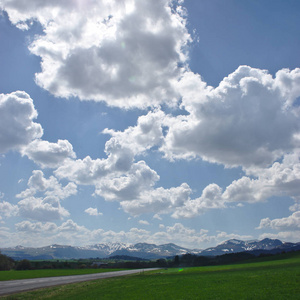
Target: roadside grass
278	279
14	275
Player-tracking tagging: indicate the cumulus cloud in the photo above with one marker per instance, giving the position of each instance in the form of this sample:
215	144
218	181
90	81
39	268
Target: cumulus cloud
7	209
71	226
46	233
248	120
291	236
126	53
37	183
146	134
177	233
280	179
49	227
188	237
88	171
211	198
119	178
93	212
7	237
290	223
48	154
157	216
295	207
144	222
159	200
69	232
222	236
29	227
83	171
114	179
17	128
137	180
41	200
288	82
42	209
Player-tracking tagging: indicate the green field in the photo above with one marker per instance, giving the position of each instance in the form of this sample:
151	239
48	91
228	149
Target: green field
277	279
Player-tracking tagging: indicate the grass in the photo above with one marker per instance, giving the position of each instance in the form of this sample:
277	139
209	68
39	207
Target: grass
278	279
13	275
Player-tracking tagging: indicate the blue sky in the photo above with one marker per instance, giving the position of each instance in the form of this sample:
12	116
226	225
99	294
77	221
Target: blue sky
149	122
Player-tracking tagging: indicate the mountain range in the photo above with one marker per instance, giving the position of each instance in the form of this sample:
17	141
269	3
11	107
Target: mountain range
146	251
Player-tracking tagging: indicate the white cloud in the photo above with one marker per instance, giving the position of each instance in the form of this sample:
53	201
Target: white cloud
211	198
37	183
143	222
7	209
42	209
280	179
69	232
291	236
48	154
178	228
118	178
295	207
140	138
71	226
88	171
83	171
284	224
41	200
157	216
191	238
37	227
46	233
123	52
248	120
157	200
115	178
7	237
224	236
17	128
288	82
93	212
139	179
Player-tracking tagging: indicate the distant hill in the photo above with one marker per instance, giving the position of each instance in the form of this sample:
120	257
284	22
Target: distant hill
145	250
234	245
127	258
140	250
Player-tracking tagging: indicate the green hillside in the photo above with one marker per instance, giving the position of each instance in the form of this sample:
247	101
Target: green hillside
276	279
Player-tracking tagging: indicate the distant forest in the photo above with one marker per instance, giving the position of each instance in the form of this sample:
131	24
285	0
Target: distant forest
127	262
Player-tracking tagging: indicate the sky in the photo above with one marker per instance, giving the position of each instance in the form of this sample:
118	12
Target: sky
149	121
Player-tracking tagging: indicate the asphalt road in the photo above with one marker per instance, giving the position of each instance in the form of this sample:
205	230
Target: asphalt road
22	285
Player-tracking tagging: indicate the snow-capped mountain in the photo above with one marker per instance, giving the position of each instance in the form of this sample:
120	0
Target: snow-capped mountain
234	245
145	250
140	250
107	248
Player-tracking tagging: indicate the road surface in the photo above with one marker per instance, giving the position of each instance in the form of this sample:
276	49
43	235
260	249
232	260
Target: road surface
22	285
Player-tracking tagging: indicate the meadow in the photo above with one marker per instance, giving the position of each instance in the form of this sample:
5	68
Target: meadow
263	279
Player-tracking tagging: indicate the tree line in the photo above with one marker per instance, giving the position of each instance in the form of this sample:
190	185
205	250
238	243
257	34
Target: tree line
186	260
